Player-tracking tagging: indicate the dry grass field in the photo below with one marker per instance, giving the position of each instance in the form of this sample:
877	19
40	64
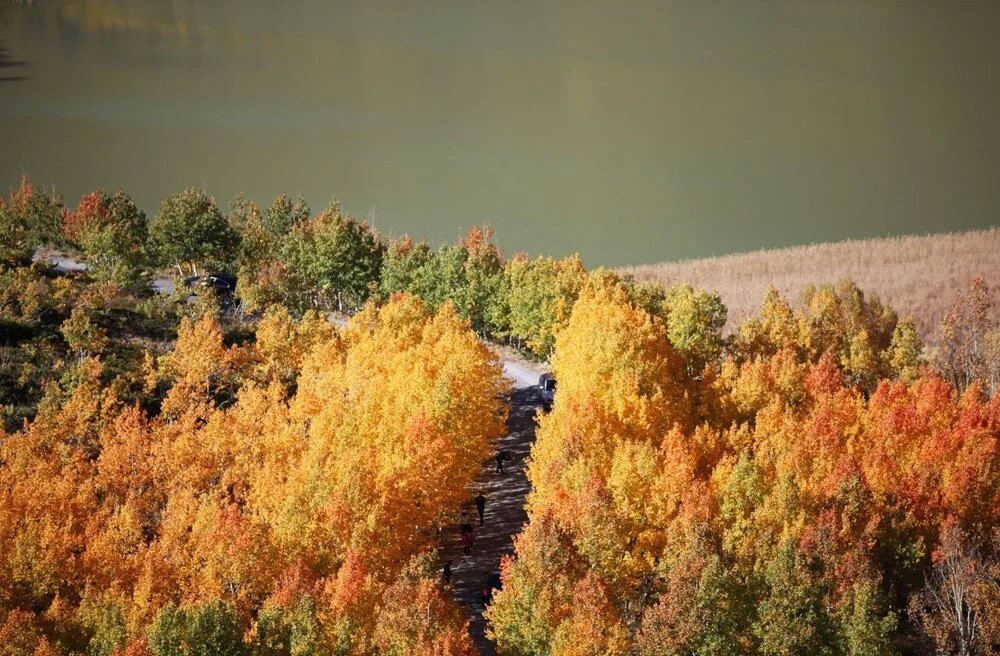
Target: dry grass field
916	275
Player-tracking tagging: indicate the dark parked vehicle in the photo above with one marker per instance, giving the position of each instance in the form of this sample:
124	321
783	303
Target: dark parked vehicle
547	390
223	282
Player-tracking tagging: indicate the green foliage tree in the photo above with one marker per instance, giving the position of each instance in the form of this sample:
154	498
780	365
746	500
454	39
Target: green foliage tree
469	274
16	241
694	325
107	623
773	328
906	350
792	617
207	629
257	249
867	628
262	278
282	215
484	283
336	260
857	329
190	230
706	608
114	255
288	632
82	335
540	295
112	233
442	278
402	267
650	296
28	219
41	213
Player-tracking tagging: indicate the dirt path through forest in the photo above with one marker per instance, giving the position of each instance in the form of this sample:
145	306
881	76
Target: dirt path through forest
505	494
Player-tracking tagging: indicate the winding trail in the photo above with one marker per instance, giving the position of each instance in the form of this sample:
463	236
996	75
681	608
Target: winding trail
505	514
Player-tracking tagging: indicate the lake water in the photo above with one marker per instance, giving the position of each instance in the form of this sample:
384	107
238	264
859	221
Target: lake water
630	132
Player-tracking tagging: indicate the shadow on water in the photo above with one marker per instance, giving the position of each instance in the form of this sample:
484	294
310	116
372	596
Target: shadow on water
7	60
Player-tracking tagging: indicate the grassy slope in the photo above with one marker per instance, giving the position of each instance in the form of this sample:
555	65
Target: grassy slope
917	275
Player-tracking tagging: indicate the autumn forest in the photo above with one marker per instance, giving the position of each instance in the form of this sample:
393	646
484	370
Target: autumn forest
272	472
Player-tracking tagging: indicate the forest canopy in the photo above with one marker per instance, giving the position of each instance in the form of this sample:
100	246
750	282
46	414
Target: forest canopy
255	473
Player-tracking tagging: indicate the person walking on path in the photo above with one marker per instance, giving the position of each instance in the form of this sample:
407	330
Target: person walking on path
446	574
481	506
501	456
467	534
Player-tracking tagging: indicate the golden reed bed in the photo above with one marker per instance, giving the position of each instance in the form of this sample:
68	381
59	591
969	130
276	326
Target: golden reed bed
917	275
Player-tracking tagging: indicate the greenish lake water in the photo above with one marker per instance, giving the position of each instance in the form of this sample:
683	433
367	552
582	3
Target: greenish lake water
630	132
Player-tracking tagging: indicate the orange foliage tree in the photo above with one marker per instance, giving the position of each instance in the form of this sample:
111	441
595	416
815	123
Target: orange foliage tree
790	499
287	498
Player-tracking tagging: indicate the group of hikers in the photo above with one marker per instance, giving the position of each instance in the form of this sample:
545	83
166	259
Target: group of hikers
468	531
491	580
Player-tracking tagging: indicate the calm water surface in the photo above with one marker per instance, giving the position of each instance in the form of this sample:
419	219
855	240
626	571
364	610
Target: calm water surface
630	132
